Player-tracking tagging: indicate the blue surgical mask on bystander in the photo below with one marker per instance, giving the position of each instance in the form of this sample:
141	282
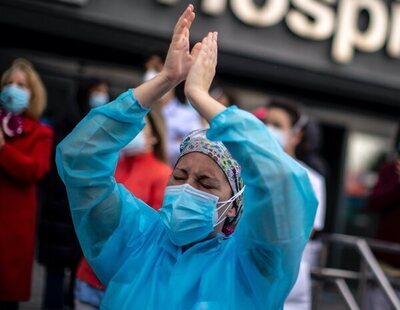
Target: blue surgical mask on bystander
14	99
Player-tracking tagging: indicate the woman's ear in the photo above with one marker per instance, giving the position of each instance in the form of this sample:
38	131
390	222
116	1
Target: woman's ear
232	211
152	140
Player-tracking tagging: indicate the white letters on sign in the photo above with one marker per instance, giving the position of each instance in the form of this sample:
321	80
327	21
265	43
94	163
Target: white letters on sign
322	25
269	14
214	7
320	20
349	36
393	46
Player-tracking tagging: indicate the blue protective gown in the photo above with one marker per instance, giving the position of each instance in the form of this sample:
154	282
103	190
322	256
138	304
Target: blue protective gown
127	245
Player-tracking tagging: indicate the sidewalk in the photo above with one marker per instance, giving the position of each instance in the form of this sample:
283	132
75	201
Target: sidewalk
37	289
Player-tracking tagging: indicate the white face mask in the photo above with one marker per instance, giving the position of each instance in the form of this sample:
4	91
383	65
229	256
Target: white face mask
281	136
149	74
98	99
136	146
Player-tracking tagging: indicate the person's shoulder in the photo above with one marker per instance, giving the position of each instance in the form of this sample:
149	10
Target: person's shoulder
45	129
313	174
34	125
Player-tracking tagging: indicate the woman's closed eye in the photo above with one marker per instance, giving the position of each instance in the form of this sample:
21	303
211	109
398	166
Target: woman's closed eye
208	183
206	186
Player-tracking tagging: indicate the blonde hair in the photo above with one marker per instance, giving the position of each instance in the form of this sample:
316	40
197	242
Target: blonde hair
38	99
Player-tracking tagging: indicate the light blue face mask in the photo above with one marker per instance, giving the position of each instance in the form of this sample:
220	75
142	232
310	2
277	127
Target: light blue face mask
14	99
190	215
136	146
98	99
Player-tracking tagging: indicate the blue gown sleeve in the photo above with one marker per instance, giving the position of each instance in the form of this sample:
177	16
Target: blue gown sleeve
105	215
279	203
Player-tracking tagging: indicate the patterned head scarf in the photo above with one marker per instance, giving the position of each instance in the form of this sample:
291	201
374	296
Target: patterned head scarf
197	141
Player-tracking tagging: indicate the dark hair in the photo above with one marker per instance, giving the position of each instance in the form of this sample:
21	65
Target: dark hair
83	93
180	93
161	53
291	107
308	150
217	91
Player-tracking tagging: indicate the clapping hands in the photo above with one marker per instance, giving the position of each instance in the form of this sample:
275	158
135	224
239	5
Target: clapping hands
202	71
197	67
179	58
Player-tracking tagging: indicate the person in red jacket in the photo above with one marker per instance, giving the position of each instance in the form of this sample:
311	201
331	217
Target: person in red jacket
143	170
25	150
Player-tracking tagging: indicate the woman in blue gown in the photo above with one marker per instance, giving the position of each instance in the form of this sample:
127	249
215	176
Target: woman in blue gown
180	257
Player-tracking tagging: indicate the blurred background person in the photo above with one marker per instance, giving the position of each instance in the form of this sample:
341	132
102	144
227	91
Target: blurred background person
286	122
144	171
219	93
25	150
179	117
308	150
59	249
385	200
93	92
143	165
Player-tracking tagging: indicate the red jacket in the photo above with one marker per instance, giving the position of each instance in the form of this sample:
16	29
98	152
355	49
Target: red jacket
24	160
146	177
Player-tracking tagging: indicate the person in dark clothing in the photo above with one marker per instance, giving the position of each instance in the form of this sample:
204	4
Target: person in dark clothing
59	249
308	150
385	200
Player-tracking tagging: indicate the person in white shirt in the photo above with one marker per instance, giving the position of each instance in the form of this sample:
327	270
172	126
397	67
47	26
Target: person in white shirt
285	121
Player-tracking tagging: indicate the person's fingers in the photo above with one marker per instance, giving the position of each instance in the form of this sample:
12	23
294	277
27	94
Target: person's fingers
215	48
185	15
184	20
206	45
210	44
203	52
190	19
211	49
179	31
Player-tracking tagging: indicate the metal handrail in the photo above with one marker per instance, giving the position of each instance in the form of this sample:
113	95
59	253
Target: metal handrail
364	249
377	271
337	277
333	274
382	246
319	273
346	294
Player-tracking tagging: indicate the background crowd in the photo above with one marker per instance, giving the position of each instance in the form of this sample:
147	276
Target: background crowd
34	212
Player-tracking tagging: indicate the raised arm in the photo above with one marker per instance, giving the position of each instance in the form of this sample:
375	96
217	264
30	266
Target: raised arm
279	201
106	216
